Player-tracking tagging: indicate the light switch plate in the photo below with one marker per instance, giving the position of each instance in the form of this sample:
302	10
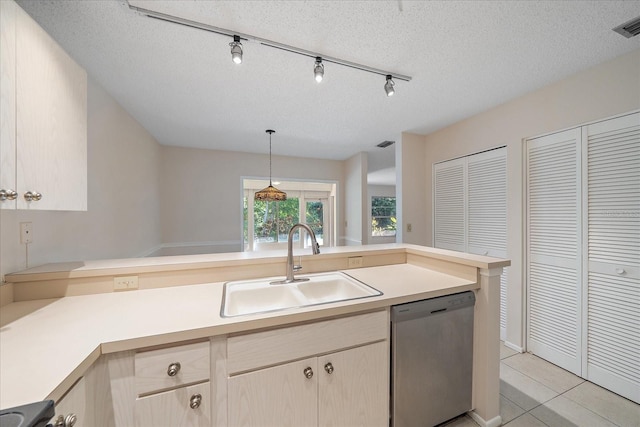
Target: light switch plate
26	233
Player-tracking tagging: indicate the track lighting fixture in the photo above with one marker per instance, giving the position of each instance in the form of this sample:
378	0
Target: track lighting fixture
388	86
318	70
236	50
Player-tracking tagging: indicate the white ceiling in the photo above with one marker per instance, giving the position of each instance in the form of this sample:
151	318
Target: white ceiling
464	56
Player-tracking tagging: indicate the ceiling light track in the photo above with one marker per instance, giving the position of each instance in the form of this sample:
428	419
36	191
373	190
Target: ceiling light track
265	42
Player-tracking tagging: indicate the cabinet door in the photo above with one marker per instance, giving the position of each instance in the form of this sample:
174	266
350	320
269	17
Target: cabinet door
172	408
51	121
8	100
73	404
279	396
353	387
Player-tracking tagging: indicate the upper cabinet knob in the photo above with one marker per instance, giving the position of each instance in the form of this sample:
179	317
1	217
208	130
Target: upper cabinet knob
30	196
8	194
173	369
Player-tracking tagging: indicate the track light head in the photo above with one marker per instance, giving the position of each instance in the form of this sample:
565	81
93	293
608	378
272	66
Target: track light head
236	50
389	85
318	69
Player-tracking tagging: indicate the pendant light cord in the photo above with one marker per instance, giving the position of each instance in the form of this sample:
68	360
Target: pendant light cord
270	159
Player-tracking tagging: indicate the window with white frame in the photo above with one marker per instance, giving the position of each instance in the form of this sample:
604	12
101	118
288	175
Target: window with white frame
266	224
383	216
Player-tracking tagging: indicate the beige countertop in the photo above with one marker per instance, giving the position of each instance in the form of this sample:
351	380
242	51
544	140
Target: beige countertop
46	345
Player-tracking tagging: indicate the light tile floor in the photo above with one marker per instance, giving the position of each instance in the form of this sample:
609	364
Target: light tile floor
536	393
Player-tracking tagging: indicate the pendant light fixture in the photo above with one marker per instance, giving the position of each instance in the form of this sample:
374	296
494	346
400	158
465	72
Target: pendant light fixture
270	193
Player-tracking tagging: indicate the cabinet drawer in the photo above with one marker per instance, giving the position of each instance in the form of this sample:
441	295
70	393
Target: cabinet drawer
254	351
173	408
153	369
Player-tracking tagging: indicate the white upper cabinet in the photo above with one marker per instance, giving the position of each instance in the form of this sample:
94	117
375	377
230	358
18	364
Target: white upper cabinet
44	118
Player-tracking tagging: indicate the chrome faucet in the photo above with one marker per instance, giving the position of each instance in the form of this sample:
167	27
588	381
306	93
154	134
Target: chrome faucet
315	247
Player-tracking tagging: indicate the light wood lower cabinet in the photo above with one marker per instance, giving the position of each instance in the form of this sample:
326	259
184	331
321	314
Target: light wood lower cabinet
70	410
172	387
356	393
347	388
342	383
277	396
185	406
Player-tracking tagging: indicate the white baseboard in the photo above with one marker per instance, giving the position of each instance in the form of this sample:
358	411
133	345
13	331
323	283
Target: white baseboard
514	347
493	422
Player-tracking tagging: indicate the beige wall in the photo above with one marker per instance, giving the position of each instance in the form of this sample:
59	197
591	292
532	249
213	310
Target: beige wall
355	178
201	200
122	219
410	181
608	89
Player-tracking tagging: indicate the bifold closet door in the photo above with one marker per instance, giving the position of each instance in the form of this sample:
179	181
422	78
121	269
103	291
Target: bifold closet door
487	214
470	209
554	248
613	235
449	210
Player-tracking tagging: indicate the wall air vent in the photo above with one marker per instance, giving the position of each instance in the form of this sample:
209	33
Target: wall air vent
629	29
385	144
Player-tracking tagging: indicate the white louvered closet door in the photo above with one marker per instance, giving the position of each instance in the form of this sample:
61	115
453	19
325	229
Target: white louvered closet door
449	205
487	213
554	248
613	268
470	209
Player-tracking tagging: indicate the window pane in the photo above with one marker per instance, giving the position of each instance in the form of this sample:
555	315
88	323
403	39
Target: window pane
383	216
274	219
314	219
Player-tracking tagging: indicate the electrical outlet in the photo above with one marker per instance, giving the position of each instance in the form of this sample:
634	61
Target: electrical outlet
26	233
125	282
409	228
354	262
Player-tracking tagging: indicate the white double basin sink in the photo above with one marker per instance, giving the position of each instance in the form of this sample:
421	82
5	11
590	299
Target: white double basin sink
260	296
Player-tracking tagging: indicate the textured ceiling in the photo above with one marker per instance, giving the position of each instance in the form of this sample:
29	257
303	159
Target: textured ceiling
464	56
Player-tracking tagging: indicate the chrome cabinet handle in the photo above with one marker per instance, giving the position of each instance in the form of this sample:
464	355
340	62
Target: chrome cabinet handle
68	421
195	401
173	369
329	368
30	196
8	195
308	372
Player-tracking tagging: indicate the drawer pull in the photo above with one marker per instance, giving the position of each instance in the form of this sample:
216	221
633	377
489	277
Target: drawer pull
68	421
308	373
173	369
329	368
195	401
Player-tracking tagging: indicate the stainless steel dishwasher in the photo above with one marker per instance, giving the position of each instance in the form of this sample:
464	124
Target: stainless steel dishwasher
431	360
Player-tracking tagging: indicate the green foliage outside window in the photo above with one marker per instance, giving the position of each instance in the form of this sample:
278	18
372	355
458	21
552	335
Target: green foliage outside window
383	216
